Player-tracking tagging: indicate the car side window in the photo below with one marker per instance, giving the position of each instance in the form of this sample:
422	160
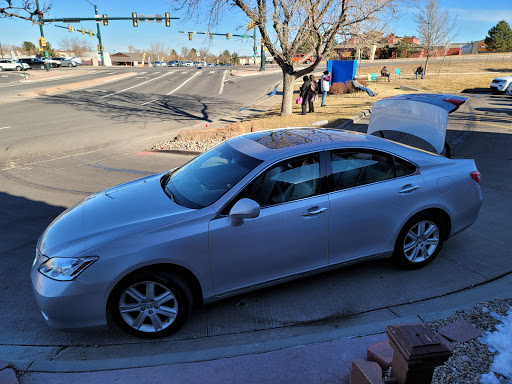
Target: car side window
287	181
404	168
355	168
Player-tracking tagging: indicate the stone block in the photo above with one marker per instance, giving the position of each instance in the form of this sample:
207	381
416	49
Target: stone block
365	372
7	376
381	353
445	341
460	331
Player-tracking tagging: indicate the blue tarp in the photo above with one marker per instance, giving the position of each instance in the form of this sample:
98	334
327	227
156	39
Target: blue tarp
342	70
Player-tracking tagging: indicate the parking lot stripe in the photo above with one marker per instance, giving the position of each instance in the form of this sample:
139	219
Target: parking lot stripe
212	71
144	82
5	127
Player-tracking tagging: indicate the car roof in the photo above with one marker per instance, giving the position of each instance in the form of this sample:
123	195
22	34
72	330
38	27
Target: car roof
280	143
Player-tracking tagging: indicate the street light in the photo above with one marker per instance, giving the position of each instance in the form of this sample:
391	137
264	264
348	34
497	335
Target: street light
178	53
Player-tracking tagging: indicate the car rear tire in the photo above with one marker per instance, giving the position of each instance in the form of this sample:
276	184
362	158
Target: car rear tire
41	66
151	304
1	69
70	65
419	241
18	68
308	61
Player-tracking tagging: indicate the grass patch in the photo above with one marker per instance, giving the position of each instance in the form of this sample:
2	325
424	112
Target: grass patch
342	107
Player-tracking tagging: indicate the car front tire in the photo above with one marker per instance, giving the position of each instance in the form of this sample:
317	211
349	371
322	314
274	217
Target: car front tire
18	68
419	241
151	304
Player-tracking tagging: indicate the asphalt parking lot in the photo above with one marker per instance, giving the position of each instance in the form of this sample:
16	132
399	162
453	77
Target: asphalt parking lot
370	293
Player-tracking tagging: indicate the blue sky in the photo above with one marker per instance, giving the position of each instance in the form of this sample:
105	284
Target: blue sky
473	21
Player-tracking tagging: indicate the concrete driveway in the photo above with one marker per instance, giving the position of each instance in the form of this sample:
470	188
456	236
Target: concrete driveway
354	299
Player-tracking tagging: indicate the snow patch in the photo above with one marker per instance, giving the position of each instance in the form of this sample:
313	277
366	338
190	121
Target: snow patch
500	342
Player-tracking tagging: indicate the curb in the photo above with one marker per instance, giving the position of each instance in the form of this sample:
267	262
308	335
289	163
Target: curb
176	151
355	119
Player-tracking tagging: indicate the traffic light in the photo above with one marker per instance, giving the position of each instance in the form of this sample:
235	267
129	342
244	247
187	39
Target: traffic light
83	31
42	42
167	19
70	28
98	47
190	35
105	20
227	36
134	19
261	41
90	32
211	35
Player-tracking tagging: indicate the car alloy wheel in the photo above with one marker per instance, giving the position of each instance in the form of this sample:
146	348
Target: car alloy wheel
151	305
419	241
1	69
41	66
18	68
70	65
148	306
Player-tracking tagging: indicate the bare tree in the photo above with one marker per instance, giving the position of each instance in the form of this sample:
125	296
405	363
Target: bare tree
22	9
75	45
435	28
157	50
289	25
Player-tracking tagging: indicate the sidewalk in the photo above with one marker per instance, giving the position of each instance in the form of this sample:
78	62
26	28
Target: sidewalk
321	363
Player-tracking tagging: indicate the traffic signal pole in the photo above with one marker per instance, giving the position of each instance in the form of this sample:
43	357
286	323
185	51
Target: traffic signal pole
99	36
40	18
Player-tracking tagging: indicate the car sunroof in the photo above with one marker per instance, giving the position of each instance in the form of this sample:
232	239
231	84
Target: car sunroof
278	139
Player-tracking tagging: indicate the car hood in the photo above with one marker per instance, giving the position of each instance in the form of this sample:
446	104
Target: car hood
105	216
422	115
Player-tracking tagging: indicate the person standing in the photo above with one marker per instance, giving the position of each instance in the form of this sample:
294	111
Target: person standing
304	93
313	93
324	86
358	85
419	71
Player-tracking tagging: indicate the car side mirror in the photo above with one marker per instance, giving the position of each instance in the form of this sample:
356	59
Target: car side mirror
243	209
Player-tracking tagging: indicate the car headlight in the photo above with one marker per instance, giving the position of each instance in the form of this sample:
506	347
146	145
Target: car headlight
66	268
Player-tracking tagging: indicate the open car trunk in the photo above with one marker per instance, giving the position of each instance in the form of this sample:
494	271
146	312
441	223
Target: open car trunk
421	115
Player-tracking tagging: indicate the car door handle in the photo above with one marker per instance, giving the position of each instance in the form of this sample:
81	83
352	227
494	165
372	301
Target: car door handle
314	211
408	188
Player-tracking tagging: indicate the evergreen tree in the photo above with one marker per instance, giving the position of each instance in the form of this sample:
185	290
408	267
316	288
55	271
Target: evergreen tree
500	38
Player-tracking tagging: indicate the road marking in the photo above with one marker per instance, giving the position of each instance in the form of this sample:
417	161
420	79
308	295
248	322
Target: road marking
175	89
212	71
493	125
184	72
5	127
5	76
144	82
222	82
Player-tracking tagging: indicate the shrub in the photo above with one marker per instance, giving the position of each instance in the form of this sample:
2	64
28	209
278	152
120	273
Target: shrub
342	88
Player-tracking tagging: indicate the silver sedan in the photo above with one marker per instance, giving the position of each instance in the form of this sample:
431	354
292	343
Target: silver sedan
251	212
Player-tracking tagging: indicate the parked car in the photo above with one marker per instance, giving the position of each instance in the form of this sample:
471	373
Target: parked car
188	63
10	64
53	62
33	62
255	210
172	63
159	64
301	57
502	85
65	61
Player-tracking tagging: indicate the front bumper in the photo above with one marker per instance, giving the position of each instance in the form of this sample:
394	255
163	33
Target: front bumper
70	305
499	87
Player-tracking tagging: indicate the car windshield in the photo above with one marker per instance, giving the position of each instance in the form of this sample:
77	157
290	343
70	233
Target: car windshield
206	178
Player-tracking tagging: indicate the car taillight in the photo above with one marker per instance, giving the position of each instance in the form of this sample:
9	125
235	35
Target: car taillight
475	175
